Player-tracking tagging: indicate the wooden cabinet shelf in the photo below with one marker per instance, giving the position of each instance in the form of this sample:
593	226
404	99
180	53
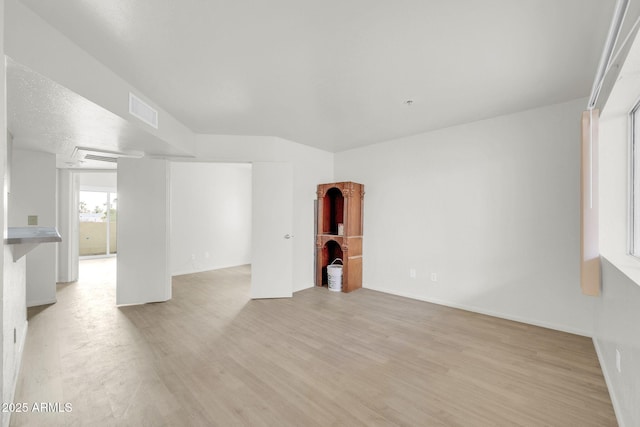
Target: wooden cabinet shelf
340	209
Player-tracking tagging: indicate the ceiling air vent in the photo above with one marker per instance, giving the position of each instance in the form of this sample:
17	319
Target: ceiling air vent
101	158
85	153
143	111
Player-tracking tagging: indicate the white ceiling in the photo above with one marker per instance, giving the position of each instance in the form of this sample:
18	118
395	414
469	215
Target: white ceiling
335	74
44	116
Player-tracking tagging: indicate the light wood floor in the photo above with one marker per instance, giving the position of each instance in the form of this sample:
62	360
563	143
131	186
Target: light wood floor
212	357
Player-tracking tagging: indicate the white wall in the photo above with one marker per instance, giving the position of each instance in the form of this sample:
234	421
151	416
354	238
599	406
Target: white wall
311	167
98	181
491	207
12	291
143	204
616	329
210	216
143	231
33	192
68	248
14	316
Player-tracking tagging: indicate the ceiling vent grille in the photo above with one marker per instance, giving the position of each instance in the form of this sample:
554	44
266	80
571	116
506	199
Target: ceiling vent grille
143	111
85	153
101	158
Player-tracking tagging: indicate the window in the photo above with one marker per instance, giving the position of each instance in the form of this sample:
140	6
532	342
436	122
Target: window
98	215
634	182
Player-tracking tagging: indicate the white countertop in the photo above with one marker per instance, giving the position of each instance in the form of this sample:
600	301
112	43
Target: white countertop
24	239
32	235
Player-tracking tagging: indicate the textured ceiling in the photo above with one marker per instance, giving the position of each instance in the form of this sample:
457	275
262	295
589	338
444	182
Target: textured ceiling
44	116
336	74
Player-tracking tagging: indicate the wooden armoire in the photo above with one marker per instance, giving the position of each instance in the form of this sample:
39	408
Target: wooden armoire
340	209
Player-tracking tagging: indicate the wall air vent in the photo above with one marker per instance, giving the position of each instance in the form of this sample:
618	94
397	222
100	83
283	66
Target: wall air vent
86	153
143	111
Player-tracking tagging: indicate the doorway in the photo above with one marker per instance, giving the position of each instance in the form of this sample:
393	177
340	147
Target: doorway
243	215
95	212
97	217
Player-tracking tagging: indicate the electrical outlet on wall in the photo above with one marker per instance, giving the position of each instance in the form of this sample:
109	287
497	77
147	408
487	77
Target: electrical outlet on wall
412	273
32	219
434	277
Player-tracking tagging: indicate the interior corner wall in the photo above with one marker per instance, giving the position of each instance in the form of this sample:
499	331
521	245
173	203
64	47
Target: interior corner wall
210	216
311	166
491	208
33	192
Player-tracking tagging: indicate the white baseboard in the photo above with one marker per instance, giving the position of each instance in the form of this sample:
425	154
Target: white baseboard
42	302
14	383
203	269
479	310
607	379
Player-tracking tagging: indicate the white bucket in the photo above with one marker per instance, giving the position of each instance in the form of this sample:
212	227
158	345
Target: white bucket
334	273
